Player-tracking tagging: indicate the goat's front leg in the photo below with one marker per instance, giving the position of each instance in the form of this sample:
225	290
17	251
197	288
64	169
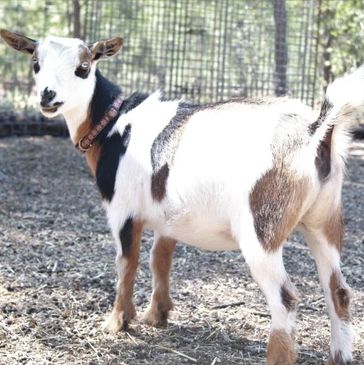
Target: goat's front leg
160	264
127	260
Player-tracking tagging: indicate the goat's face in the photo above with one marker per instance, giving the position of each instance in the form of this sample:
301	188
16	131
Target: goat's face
64	69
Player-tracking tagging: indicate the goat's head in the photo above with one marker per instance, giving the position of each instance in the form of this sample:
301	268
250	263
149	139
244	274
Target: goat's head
64	69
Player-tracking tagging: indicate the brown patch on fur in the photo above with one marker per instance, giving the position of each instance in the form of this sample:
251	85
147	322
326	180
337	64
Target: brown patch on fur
280	349
323	158
123	310
106	48
159	182
18	41
92	157
334	229
93	154
340	296
275	202
289	296
160	264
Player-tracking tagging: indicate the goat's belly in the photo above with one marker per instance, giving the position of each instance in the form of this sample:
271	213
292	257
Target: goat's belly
212	242
213	237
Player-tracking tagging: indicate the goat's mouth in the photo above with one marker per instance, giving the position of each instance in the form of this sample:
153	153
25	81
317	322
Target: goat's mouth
52	108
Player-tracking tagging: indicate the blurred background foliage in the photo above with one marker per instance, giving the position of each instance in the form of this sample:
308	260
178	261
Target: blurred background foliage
342	37
205	50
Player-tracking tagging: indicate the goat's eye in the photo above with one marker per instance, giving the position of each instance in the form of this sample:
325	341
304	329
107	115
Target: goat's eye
84	65
36	66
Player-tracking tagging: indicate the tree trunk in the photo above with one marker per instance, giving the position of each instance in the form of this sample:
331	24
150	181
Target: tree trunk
76	19
281	54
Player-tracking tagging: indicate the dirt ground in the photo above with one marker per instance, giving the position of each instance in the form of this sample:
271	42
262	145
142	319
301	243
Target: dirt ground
57	276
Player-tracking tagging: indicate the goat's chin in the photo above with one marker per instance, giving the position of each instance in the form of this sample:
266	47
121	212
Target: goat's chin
49	114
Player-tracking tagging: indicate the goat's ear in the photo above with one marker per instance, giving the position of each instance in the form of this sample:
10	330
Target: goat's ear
108	48
18	41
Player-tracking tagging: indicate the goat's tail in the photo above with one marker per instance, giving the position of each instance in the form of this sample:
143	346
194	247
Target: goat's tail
343	100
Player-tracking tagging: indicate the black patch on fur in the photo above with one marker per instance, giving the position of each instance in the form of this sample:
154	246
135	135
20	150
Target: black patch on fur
82	72
358	132
288	300
36	67
323	158
132	102
97	56
343	297
326	107
112	151
126	237
104	94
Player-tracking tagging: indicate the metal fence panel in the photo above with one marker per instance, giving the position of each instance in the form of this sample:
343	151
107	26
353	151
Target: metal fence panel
211	50
204	50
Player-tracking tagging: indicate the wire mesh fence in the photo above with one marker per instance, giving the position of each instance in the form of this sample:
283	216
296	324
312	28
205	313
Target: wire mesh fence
211	50
203	50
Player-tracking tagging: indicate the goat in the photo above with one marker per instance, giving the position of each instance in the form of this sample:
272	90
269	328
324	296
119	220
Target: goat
241	174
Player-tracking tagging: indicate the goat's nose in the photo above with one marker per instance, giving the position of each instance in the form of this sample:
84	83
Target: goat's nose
47	96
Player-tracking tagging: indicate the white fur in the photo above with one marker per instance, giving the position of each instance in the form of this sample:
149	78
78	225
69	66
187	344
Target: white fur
58	59
347	91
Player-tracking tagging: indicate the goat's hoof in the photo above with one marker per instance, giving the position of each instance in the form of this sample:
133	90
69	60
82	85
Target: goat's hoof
338	360
280	349
118	321
156	318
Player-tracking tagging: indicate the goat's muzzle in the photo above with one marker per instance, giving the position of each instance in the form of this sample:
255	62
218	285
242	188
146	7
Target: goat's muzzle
46	97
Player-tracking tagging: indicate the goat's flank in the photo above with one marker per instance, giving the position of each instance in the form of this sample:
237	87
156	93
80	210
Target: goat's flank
242	174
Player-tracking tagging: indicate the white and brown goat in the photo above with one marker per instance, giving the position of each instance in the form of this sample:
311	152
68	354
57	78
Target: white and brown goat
242	174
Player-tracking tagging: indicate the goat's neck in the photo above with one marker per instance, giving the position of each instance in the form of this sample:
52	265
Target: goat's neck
75	118
91	108
103	96
81	121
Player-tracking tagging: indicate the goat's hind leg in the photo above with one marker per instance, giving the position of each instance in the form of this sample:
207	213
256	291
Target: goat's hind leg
160	264
324	239
268	271
127	260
